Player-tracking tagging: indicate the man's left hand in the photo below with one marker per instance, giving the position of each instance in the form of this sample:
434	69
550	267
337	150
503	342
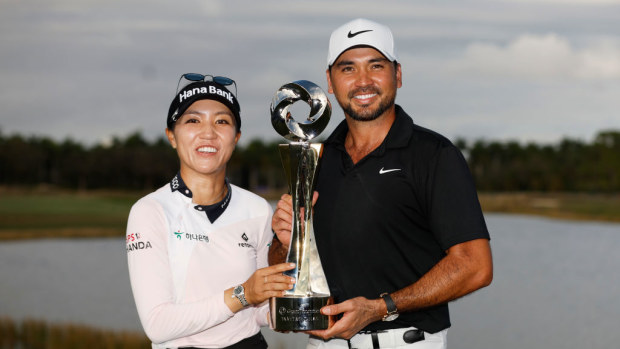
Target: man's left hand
357	313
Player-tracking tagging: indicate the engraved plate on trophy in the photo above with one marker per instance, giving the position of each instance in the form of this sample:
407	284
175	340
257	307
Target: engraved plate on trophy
299	308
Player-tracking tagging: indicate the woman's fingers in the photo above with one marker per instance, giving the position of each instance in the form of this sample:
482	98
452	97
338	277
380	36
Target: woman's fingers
268	282
273	277
278	268
278	282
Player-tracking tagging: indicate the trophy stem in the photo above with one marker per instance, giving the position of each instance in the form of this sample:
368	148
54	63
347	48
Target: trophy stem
299	308
300	161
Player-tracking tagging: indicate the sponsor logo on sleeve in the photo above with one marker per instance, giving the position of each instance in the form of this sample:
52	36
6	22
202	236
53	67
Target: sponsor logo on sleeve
135	242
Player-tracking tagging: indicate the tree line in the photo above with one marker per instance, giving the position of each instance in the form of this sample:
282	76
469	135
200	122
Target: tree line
570	166
134	163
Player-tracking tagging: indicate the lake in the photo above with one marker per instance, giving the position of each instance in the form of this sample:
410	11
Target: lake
555	286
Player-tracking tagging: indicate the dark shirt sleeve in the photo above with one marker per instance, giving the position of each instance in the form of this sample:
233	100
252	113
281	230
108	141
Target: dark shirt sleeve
455	212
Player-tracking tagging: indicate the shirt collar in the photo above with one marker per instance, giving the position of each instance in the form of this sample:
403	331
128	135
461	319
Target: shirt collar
213	211
177	184
398	136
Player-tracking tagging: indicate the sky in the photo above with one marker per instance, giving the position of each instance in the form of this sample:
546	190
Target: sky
504	70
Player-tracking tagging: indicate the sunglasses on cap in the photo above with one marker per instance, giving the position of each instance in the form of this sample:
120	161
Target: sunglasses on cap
189	78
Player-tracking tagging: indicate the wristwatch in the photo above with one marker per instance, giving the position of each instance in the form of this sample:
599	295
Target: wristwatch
392	312
239	293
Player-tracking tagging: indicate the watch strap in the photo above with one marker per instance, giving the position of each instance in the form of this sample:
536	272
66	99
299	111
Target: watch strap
242	299
389	303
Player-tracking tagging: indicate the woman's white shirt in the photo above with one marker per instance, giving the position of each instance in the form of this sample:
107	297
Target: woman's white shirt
180	264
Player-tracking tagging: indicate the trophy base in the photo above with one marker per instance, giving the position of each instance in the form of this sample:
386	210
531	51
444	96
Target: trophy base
298	313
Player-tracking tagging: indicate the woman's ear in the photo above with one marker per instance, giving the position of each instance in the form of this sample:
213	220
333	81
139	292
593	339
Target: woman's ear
171	139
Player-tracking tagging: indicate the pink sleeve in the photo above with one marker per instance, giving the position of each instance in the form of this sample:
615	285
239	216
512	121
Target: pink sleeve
151	280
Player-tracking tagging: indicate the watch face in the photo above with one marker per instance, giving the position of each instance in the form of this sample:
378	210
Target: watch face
239	293
390	317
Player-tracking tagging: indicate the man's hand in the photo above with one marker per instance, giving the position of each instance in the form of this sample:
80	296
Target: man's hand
357	313
282	220
282	225
466	267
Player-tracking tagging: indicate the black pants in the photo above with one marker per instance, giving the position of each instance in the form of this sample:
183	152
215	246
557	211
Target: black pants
257	341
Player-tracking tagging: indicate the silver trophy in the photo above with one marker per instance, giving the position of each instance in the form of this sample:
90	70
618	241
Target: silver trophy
299	308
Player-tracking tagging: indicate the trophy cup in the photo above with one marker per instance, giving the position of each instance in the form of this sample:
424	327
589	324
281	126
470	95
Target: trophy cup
299	308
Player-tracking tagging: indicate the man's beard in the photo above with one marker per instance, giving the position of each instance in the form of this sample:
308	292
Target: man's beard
366	114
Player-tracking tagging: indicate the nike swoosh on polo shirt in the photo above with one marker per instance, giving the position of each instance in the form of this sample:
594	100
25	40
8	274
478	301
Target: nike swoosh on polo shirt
382	171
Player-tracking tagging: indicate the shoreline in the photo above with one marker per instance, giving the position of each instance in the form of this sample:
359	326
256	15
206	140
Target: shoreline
567	206
26	215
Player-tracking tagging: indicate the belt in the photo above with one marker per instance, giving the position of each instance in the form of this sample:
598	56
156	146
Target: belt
386	338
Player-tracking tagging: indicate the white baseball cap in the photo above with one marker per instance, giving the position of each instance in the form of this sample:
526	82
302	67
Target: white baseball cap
361	32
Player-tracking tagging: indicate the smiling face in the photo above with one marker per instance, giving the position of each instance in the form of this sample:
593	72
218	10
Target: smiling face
364	82
204	137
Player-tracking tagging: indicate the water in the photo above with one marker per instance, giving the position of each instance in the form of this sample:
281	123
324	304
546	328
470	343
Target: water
555	287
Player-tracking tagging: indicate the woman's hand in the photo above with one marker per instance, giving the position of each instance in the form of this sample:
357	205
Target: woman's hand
268	282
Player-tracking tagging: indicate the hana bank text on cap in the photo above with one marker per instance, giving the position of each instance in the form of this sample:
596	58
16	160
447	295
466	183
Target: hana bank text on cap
202	90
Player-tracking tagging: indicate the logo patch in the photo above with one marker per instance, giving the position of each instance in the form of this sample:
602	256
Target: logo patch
204	90
197	237
352	35
382	171
189	236
245	244
133	243
179	234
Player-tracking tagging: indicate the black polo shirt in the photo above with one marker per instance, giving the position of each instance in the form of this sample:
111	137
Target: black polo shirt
384	222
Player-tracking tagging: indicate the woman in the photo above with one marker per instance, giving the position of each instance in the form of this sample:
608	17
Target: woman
197	247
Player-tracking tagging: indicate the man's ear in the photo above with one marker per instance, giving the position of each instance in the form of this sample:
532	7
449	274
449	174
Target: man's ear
329	82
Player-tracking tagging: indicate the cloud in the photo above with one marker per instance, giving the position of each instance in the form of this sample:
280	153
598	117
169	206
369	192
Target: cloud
542	56
568	2
90	69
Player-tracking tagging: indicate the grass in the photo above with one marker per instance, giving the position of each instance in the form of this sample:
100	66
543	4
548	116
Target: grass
36	334
29	214
574	206
47	213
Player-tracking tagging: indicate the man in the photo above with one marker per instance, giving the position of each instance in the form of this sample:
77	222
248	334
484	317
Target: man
397	222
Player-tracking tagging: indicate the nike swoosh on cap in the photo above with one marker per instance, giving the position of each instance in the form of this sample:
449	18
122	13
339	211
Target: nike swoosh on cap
351	35
382	171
